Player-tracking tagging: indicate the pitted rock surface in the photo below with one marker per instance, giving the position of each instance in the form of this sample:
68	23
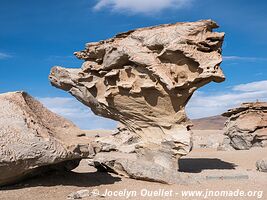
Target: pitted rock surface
143	79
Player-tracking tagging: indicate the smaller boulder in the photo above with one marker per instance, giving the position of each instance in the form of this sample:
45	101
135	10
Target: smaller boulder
225	145
247	125
262	165
79	194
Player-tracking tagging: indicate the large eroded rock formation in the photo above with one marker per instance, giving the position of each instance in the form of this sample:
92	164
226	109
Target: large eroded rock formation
247	125
33	139
143	79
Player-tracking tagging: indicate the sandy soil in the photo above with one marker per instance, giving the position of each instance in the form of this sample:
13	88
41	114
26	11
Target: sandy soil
237	169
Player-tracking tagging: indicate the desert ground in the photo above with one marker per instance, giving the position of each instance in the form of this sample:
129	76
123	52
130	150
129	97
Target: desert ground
153	68
209	169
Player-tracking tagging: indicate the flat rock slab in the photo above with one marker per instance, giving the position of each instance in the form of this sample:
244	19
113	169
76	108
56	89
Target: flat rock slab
234	177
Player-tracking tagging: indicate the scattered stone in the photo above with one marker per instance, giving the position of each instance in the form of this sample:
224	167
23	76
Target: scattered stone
247	125
225	145
79	194
34	140
262	165
144	79
209	139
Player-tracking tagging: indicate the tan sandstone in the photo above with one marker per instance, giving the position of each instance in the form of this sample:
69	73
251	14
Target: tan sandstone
247	125
144	78
34	140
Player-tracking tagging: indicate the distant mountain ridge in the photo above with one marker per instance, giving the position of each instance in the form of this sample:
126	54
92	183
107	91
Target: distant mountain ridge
209	123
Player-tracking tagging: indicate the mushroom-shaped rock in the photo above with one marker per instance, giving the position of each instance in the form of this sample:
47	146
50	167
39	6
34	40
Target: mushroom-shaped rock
144	79
34	140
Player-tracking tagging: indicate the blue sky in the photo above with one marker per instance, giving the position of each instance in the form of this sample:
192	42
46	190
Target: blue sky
36	35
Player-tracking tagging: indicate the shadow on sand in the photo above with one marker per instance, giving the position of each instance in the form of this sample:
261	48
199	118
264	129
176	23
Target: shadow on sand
196	165
55	178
